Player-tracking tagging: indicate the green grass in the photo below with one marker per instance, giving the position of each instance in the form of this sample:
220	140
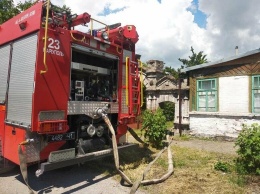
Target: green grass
169	124
184	137
194	171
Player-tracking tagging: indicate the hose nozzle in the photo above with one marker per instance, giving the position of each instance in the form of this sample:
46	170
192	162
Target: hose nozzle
102	111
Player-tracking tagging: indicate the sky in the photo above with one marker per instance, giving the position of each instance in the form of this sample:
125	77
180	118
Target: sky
168	28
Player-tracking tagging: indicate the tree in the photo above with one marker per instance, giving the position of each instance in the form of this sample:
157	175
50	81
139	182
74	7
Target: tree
194	59
171	71
168	109
23	6
63	8
9	10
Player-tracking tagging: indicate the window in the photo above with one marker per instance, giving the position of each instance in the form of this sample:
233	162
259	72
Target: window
256	94
207	95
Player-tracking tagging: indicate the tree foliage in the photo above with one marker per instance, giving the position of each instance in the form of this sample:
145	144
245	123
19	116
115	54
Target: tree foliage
194	59
249	149
23	6
9	10
171	71
63	8
154	127
168	109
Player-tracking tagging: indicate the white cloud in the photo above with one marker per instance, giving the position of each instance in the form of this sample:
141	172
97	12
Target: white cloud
232	24
167	30
164	29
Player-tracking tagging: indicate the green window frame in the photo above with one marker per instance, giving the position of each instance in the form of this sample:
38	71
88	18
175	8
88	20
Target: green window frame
207	95
256	94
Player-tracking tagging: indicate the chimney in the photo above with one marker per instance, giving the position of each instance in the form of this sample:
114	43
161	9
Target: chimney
236	50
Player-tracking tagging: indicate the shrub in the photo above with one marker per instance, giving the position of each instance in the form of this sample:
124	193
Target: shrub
154	127
248	143
222	166
168	109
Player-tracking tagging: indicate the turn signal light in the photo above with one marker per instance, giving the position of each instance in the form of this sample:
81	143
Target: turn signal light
52	127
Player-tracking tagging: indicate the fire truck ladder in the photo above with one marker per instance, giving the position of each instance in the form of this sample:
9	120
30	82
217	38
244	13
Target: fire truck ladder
133	84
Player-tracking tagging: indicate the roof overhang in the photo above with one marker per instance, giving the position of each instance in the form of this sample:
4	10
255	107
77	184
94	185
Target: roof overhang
224	60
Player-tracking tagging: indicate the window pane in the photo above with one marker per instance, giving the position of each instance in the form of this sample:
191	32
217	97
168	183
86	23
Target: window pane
202	101
200	85
213	84
206	85
202	93
256	102
256	82
211	109
202	109
211	100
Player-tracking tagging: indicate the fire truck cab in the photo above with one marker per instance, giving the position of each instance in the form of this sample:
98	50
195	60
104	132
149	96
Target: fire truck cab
58	78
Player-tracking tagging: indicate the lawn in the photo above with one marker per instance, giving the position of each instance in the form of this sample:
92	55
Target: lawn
194	171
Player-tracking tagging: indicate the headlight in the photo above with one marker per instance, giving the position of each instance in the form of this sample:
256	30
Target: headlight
105	35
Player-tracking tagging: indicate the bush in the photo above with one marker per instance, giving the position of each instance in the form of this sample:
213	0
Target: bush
222	166
248	143
168	109
154	127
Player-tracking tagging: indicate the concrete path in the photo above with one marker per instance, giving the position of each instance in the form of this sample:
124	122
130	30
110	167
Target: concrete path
80	180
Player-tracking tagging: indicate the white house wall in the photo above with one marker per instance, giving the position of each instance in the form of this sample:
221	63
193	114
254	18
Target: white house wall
234	94
219	125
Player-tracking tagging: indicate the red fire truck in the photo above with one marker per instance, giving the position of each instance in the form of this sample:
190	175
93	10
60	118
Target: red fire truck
61	79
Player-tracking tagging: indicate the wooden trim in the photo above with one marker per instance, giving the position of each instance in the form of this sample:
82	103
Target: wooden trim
250	107
217	108
225	71
192	95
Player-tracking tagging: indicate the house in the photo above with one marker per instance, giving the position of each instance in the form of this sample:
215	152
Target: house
224	95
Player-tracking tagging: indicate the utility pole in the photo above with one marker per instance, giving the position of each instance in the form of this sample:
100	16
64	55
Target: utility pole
180	105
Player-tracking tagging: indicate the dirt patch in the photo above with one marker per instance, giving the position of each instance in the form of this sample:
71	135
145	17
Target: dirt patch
218	146
211	146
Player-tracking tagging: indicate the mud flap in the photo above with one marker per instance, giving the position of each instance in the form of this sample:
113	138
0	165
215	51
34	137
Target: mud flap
23	165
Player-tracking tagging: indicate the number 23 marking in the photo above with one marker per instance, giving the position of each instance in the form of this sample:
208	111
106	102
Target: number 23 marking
53	44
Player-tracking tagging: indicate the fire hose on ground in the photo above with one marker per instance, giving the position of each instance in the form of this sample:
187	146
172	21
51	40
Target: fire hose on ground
135	185
141	181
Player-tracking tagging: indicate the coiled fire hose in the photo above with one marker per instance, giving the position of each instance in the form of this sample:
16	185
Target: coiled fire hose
23	163
116	158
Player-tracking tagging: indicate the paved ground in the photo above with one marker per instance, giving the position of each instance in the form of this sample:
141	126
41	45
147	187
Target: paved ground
83	180
76	179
